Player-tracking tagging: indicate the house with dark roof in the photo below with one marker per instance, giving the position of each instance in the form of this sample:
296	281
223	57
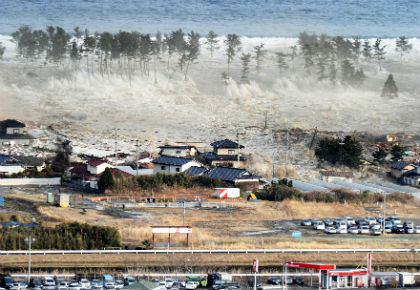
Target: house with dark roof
399	168
185	151
235	176
17	164
172	165
225	153
196	170
12	132
411	177
97	166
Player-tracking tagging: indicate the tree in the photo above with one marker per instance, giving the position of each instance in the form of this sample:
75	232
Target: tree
347	71
337	151
379	52
192	50
357	50
212	42
281	62
402	45
77	32
233	45
106	181
367	50
397	152
358	77
245	59
379	155
2	50
259	55
332	73
390	88
26	43
61	160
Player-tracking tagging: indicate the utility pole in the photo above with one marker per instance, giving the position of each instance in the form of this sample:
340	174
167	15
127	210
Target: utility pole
237	135
137	157
183	215
29	241
383	222
287	145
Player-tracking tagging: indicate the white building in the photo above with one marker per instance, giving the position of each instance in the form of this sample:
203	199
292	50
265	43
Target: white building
411	177
97	166
185	151
12	132
172	165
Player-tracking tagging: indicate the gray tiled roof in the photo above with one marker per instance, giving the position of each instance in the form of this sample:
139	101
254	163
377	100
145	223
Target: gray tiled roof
226	143
168	160
399	165
9	123
229	174
195	170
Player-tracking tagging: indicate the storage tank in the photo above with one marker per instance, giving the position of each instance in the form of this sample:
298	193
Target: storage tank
1	201
224	193
50	197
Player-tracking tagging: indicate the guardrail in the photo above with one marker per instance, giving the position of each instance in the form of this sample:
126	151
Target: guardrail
232	251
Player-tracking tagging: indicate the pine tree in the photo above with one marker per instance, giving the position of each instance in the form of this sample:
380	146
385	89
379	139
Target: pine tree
397	152
281	62
367	50
380	155
2	50
212	42
233	45
357	50
390	88
245	59
106	181
402	46
192	51
259	55
379	52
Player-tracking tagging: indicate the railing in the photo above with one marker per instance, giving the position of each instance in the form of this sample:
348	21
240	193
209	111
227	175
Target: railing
232	251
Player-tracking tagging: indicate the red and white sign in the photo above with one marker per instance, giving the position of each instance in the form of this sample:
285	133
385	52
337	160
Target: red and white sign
348	272
369	262
224	193
255	265
310	266
170	230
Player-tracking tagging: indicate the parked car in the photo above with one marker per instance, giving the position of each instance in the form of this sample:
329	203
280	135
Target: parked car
36	283
23	284
85	284
394	220
341	230
119	284
371	220
306	222
388	229
361	222
191	285
380	220
417	229
233	286
350	221
375	232
375	226
328	222
289	280
298	280
319	226
315	220
217	285
364	230
74	285
251	282
353	230
15	286
96	284
129	281
274	281
409	230
337	220
7	282
330	230
397	229
61	285
408	224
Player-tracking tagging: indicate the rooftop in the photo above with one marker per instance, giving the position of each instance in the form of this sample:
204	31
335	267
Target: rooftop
399	165
9	123
96	162
346	174
226	143
229	174
195	170
168	160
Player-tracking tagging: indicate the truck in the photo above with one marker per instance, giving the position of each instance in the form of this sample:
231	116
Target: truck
225	193
406	279
222	276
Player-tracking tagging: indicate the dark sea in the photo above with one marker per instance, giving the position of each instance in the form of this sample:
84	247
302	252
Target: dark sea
253	18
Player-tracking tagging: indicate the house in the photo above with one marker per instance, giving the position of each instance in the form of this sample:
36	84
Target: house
411	177
17	164
399	168
225	153
235	176
88	174
332	176
134	172
196	170
12	132
31	162
178	151
171	165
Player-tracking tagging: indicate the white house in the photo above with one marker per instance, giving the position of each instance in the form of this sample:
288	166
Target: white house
97	166
9	165
185	151
411	177
13	132
172	165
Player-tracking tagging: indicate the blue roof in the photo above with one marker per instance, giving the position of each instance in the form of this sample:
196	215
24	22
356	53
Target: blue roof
6	160
229	174
168	160
411	174
195	170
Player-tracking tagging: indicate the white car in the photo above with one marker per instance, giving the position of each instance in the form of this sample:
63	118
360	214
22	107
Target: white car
190	285
169	282
62	285
375	232
371	220
417	229
364	230
330	230
350	221
119	284
48	281
375	226
319	226
341	230
74	285
85	284
353	230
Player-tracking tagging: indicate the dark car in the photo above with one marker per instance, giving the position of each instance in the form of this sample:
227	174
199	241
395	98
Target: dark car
273	281
398	229
7	282
298	280
36	283
251	282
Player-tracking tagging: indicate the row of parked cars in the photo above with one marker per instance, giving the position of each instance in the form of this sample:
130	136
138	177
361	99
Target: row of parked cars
367	225
49	283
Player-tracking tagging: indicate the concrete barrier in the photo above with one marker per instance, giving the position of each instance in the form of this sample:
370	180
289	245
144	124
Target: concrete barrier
30	181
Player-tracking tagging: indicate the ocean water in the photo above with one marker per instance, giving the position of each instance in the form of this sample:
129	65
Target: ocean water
265	18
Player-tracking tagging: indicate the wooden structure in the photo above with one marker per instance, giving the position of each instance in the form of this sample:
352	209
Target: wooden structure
187	230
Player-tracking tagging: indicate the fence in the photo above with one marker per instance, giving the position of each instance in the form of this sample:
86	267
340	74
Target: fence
30	181
233	251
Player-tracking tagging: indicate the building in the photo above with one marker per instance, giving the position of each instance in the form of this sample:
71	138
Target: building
17	164
399	168
186	151
88	174
97	166
411	177
12	132
235	176
332	176
172	165
225	153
